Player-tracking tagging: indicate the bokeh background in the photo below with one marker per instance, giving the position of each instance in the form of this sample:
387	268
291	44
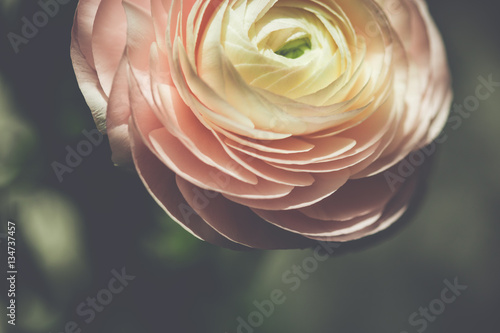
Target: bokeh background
72	234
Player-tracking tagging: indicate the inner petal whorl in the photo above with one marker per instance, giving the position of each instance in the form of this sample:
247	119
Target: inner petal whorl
291	49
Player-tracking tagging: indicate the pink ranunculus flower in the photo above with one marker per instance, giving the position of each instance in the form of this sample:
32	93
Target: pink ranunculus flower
265	123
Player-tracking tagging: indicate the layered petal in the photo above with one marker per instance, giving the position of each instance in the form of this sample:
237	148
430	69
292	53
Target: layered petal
266	123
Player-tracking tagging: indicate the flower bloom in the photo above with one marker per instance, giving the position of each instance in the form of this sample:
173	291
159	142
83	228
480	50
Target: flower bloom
265	123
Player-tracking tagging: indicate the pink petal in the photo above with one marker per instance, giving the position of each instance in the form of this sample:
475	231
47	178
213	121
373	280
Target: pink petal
184	163
324	150
90	86
236	222
392	212
108	40
140	34
118	115
83	27
294	221
324	185
161	184
356	198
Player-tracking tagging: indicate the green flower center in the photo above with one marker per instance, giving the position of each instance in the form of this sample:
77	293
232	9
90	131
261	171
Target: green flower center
295	48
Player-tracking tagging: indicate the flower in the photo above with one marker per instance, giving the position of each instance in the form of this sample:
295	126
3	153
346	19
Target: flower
265	123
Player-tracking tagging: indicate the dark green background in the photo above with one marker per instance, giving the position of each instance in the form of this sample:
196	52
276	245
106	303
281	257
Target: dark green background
71	235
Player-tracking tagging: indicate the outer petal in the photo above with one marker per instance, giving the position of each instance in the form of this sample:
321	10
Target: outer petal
118	116
238	223
108	41
98	41
161	184
244	148
87	76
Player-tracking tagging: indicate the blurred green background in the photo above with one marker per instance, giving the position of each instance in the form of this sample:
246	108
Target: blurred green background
72	234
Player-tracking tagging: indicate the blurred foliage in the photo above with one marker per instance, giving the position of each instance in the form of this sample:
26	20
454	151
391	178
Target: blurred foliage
18	139
72	234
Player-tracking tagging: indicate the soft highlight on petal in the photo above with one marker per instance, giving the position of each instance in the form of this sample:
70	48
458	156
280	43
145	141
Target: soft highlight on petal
266	123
